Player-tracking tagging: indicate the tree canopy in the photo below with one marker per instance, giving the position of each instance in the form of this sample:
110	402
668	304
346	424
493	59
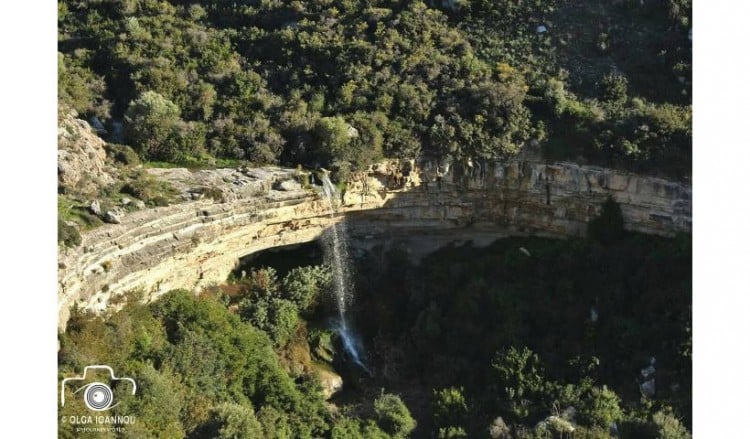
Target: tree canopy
278	82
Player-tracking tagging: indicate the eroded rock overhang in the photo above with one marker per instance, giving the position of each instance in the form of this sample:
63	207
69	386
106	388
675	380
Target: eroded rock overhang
198	242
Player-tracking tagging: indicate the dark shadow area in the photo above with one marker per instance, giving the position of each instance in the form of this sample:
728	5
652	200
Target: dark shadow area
282	259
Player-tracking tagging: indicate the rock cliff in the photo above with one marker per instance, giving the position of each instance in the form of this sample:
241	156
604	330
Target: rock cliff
231	213
81	158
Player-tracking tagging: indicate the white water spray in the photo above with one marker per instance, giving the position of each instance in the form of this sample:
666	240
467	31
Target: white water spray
337	255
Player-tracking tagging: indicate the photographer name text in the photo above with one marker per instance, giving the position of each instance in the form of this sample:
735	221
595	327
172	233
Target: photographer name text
99	420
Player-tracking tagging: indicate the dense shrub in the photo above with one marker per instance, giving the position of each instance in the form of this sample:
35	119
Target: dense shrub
304	285
559	328
191	355
602	408
393	416
67	235
524	325
123	154
450	412
275	83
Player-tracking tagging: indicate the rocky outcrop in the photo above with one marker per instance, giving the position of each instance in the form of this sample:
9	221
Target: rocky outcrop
331	382
81	158
230	213
519	197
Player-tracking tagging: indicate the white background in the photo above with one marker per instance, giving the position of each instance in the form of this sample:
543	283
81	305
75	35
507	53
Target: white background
28	237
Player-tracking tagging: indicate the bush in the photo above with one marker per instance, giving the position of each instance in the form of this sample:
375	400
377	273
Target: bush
303	286
393	416
123	154
499	429
283	320
520	378
232	421
154	127
332	138
452	433
347	429
450	412
600	408
668	426
150	190
613	87
263	306
67	235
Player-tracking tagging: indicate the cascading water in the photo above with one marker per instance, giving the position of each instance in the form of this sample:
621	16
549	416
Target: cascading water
337	255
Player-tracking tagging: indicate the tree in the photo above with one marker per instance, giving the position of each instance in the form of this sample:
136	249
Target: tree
393	416
79	88
668	426
232	421
600	408
613	88
303	285
284	320
151	123
520	379
449	412
346	428
332	137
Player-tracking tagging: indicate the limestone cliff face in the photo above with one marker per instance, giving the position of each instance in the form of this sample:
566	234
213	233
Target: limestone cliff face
524	197
198	242
81	158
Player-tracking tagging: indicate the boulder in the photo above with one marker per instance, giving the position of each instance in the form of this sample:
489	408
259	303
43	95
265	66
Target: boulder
648	388
114	216
331	382
95	208
287	185
499	429
555	424
351	132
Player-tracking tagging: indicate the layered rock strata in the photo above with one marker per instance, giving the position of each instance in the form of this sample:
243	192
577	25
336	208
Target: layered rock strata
197	243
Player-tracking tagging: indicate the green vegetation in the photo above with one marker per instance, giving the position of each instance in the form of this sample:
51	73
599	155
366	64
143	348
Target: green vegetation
393	416
340	83
528	337
67	234
149	189
202	372
557	332
74	210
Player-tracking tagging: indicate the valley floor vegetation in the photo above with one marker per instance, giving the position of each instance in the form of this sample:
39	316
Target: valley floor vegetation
528	337
341	83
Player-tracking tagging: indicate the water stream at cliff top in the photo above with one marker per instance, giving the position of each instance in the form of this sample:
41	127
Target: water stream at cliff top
337	255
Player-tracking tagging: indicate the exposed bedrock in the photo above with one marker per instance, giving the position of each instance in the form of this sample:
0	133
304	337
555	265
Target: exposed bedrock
197	243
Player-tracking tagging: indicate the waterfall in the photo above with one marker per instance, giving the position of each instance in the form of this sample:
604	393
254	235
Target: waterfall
337	255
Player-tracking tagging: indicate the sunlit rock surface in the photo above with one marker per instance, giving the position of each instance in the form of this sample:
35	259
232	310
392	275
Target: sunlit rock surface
229	213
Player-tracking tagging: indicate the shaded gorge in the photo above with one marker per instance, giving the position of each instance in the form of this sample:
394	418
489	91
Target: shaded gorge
520	327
